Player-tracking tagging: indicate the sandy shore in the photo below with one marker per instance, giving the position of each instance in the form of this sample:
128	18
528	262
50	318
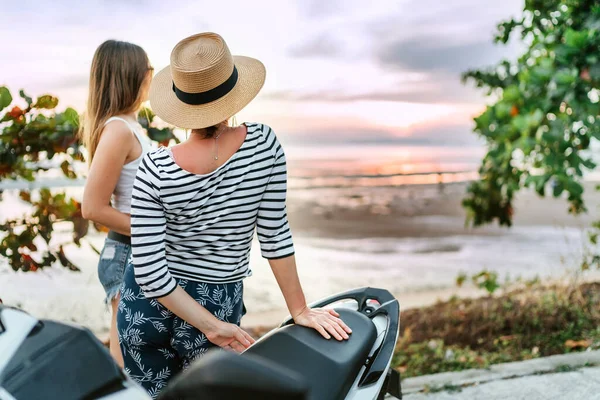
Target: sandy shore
407	211
409	239
412	212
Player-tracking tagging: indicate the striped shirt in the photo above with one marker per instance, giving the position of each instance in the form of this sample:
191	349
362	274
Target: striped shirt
200	227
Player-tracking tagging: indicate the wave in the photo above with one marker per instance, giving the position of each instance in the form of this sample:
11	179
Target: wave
379	180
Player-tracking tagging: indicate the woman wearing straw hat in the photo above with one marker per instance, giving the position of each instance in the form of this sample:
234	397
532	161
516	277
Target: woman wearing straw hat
194	211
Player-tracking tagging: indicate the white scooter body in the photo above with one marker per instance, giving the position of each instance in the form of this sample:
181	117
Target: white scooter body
372	391
29	346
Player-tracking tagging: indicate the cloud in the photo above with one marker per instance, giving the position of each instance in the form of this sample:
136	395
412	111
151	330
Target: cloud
438	133
440	89
435	53
443	134
339	135
73	81
451	37
320	46
438	42
317	9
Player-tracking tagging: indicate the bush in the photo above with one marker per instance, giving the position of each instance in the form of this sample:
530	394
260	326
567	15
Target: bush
35	137
521	324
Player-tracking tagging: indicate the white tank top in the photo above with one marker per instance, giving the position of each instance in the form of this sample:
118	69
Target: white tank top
121	199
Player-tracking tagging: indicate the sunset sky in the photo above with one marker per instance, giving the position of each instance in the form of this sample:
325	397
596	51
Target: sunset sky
385	70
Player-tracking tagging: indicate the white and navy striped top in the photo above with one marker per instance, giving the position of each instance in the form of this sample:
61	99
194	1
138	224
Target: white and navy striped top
200	227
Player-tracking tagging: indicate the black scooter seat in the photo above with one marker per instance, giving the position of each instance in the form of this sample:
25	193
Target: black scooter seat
330	367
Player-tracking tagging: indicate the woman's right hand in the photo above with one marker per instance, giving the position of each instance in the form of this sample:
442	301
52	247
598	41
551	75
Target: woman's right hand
229	337
223	334
325	321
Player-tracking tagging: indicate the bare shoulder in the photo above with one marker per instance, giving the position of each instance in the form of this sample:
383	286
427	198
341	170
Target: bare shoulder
116	143
117	131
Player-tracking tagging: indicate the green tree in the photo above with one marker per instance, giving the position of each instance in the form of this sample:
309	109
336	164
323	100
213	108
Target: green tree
539	129
34	138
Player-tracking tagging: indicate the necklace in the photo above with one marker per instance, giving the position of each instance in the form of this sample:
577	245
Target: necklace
217	144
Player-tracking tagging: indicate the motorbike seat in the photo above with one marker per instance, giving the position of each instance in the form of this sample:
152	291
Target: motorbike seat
330	367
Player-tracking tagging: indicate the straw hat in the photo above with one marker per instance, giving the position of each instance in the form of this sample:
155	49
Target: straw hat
204	84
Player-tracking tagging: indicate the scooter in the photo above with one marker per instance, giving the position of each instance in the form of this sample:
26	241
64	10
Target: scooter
42	359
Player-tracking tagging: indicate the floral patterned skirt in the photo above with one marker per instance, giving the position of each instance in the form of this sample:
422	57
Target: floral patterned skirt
156	344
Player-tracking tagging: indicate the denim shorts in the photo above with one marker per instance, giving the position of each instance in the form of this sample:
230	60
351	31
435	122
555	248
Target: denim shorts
111	267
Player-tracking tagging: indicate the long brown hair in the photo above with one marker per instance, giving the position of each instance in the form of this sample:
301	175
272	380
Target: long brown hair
119	69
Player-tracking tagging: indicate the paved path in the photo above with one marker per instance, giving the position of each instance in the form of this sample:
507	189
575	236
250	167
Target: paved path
583	384
539	379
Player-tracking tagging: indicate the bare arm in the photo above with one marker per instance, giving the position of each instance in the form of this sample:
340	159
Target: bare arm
110	156
218	332
277	246
286	275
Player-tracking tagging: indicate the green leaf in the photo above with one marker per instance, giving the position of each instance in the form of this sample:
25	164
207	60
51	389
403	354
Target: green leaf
5	98
557	188
565	77
461	279
491	286
28	99
520	123
535	118
502	109
564	53
538	182
160	135
540	186
544	70
71	116
145	117
575	188
588	163
527	144
65	166
575	39
512	94
46	101
482	122
592	58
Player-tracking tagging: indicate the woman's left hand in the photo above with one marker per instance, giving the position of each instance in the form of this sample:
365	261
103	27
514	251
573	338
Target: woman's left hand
325	321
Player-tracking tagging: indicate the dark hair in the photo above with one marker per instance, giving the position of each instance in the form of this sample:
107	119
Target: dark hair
210	131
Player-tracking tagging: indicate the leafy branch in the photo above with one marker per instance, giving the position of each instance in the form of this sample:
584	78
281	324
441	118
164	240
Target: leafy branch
34	138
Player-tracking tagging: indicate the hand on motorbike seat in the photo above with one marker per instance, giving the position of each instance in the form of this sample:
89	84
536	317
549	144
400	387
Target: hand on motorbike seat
324	321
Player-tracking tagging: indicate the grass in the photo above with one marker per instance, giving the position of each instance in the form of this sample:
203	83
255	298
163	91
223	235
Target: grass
518	325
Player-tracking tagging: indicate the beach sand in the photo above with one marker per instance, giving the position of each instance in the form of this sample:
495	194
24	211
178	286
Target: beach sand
415	211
